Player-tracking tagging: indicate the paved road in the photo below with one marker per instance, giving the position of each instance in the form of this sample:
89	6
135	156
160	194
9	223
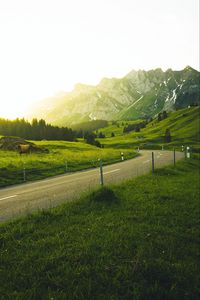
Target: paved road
28	197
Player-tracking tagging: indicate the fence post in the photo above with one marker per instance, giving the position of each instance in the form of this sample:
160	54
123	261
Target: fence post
174	156
153	166
101	173
24	171
122	156
66	167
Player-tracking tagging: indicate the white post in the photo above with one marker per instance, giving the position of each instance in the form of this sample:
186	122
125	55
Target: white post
122	156
188	152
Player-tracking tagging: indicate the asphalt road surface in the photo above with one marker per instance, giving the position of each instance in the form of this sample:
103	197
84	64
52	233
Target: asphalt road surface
28	197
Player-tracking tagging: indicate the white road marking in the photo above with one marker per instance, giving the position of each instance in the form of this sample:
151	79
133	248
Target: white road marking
59	183
146	161
116	170
8	197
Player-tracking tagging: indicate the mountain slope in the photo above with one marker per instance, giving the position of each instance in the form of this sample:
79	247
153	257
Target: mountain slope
140	94
183	124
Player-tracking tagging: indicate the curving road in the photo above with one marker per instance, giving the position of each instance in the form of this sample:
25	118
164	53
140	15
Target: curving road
28	197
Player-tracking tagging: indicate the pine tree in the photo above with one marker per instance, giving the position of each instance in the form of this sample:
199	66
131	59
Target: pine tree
167	136
164	114
159	117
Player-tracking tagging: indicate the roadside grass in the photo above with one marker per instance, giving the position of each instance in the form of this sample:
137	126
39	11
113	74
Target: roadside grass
62	157
137	240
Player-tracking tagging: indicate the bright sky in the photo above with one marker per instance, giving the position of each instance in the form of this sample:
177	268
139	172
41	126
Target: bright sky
47	46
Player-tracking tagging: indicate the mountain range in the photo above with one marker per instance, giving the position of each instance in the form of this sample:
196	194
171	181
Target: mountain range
138	95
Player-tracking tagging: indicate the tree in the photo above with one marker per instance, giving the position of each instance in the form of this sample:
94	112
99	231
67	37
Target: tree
164	116
112	134
159	117
101	135
90	139
167	136
137	128
36	130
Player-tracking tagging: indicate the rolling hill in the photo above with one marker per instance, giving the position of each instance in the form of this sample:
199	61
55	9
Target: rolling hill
183	124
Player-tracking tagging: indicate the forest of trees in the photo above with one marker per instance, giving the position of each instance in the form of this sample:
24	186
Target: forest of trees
136	127
89	126
36	130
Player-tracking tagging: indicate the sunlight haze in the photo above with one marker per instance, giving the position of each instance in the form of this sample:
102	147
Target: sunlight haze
48	46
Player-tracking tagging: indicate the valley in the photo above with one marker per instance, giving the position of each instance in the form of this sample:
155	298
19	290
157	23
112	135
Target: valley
66	157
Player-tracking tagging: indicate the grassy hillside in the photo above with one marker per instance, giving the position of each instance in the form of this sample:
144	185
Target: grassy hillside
116	127
138	240
183	125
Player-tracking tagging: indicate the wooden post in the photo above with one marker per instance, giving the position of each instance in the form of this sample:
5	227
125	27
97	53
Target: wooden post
153	166
174	157
24	172
101	173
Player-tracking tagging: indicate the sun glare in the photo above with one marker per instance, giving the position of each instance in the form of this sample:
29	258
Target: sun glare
8	111
49	46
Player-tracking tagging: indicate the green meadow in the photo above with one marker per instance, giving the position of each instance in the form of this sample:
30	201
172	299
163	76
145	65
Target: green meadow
62	157
116	127
73	156
183	124
138	240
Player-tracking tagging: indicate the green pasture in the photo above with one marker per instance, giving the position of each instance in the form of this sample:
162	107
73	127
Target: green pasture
184	126
73	156
62	157
117	128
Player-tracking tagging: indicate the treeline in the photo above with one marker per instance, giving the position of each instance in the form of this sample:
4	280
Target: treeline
36	130
135	127
162	115
90	138
89	126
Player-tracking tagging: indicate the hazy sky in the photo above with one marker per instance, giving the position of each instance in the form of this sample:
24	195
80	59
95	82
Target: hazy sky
47	46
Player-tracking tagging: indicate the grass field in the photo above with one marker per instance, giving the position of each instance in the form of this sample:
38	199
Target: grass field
73	156
184	126
62	157
117	128
138	240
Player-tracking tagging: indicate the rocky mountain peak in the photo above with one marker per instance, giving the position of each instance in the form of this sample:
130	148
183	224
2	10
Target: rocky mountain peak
139	94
